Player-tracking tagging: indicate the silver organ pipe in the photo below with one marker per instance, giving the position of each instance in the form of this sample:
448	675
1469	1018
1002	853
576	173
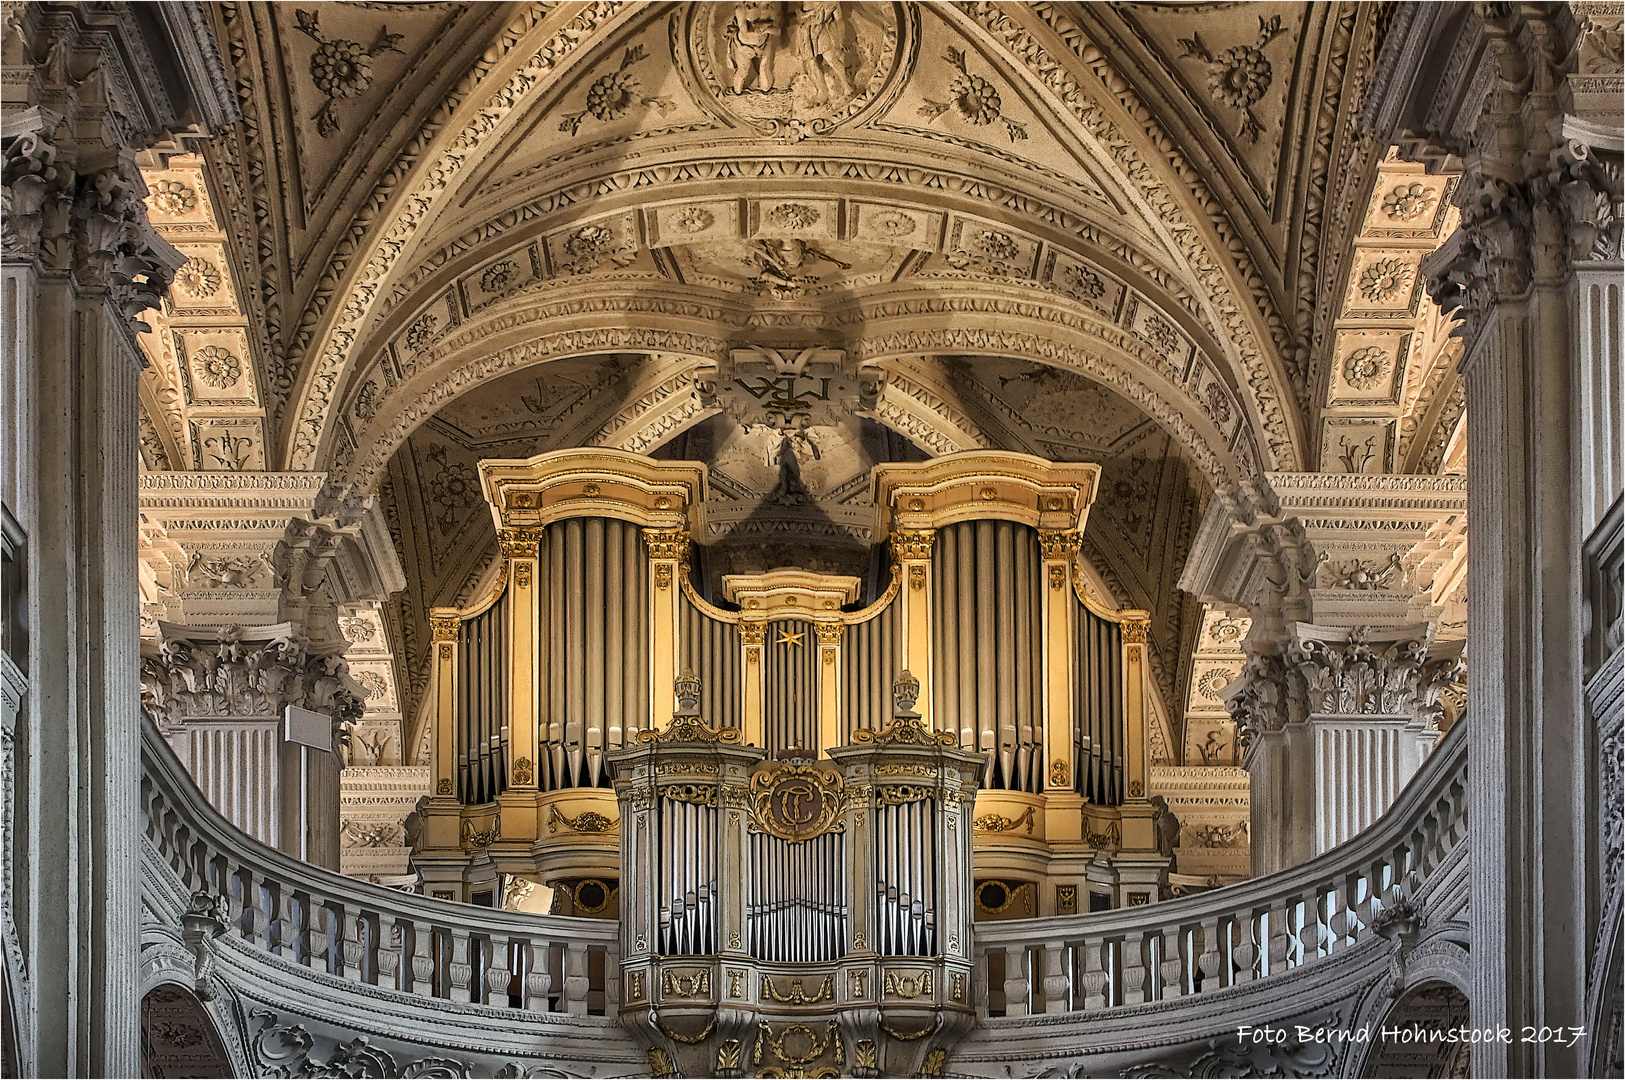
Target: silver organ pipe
482	706
988	603
796	899
1097	703
905	878
687	877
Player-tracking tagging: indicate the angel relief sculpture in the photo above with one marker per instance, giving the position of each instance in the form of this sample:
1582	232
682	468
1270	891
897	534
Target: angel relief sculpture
796	67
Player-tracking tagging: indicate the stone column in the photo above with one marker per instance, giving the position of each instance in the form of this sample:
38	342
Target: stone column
222	704
82	93
243	578
1527	107
1249	555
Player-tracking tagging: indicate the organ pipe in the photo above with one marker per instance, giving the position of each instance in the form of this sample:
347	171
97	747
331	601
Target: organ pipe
987	581
1097	704
791	686
710	648
598	698
870	657
482	668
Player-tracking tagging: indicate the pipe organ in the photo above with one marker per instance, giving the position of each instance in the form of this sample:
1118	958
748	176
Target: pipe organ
798	787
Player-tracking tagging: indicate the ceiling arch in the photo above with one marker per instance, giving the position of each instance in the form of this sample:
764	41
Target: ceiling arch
1127	344
1152	211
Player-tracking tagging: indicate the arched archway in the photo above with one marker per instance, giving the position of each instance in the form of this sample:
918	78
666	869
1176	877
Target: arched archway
177	1037
1420	1017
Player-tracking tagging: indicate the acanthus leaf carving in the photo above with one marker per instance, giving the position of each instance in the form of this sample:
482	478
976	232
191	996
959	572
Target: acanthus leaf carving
243	677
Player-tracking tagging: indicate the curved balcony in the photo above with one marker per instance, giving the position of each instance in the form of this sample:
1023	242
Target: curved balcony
1326	946
301	969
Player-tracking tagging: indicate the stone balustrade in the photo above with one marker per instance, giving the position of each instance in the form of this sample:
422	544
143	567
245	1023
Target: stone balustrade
1327	944
1228	937
1347	921
298	946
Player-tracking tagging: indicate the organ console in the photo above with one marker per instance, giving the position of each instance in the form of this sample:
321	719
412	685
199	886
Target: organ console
796	788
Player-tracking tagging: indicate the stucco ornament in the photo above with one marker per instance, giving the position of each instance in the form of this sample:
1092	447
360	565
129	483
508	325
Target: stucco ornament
1364	368
799	69
172	198
1383	280
341	69
973	99
498	276
217	367
1407	202
1239	76
613	95
199	278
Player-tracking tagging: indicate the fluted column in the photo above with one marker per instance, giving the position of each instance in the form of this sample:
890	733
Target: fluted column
1538	139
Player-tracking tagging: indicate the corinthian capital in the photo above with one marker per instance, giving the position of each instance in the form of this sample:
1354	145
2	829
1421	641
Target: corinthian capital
243	674
37	190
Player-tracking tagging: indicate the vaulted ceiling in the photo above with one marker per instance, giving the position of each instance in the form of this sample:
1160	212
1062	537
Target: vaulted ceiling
1192	164
1118	233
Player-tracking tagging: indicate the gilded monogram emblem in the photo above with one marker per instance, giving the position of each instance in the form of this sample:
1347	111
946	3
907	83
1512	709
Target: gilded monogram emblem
796	802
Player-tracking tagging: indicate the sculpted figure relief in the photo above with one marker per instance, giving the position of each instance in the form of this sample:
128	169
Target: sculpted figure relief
753	38
794	69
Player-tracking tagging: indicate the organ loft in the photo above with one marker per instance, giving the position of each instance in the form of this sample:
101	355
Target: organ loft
794	788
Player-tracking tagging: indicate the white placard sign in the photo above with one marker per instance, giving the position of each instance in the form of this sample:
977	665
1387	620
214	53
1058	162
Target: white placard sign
307	728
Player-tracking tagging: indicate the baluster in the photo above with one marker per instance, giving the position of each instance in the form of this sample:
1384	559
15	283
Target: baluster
1016	981
576	982
1094	974
1057	987
197	874
1367	908
175	853
538	976
612	979
497	973
238	887
387	971
1280	936
1340	921
354	926
286	922
1134	972
1172	968
259	917
318	937
1207	964
422	960
1247	954
297	915
460	969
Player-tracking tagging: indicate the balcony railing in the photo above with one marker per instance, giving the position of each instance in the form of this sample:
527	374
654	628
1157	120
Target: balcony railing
365	933
1239	934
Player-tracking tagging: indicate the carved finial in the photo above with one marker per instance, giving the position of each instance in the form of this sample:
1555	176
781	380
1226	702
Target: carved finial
688	693
905	692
